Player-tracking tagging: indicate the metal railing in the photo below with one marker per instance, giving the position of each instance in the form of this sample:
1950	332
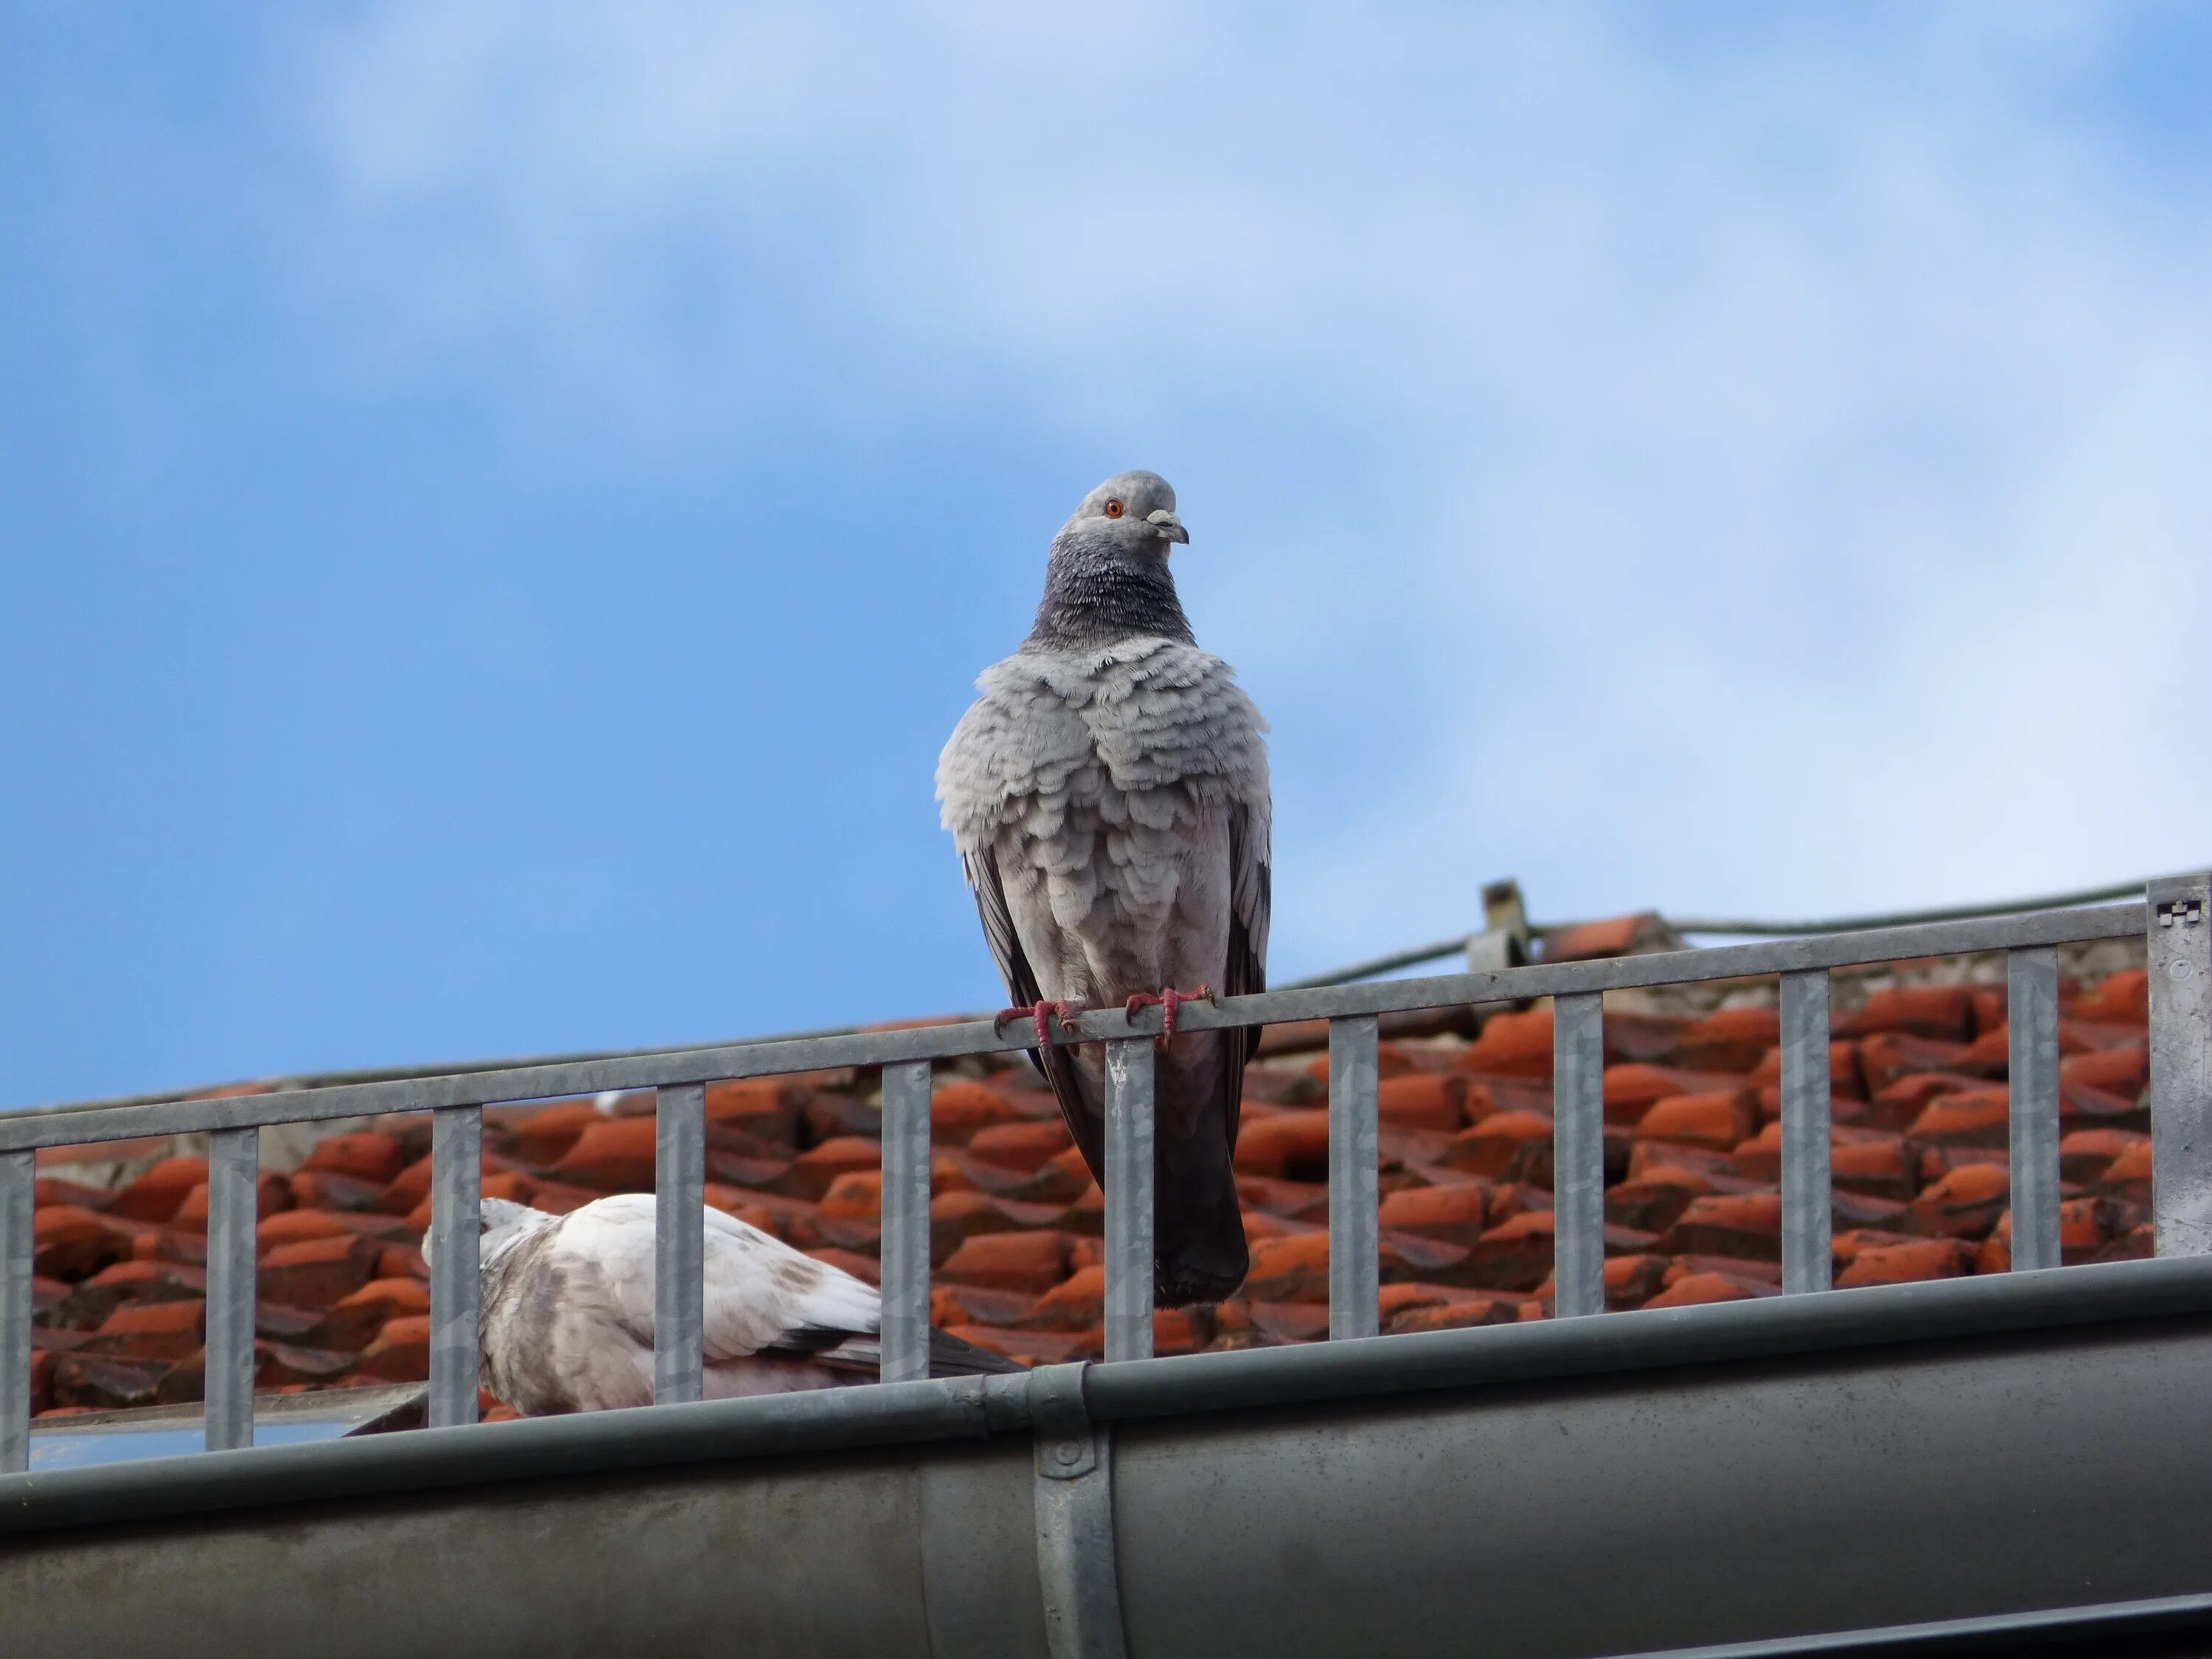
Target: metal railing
2173	918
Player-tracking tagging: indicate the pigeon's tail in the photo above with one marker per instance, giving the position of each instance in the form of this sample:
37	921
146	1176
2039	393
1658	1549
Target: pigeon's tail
952	1356
860	1357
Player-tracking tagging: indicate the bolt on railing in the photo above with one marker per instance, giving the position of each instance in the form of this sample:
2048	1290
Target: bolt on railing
2176	919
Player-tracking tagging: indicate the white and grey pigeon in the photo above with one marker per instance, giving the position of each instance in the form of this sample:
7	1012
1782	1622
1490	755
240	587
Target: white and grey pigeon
567	1317
1109	795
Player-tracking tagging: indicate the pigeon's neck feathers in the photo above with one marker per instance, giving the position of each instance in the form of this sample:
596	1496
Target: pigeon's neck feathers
1095	595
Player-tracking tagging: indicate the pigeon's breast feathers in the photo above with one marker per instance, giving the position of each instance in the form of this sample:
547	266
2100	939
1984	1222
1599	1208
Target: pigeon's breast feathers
1143	727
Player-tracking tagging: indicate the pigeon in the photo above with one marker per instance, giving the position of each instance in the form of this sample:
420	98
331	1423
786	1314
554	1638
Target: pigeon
1108	793
566	1311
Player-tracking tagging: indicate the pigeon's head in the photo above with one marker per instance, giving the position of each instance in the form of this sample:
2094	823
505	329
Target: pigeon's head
503	1224
1131	513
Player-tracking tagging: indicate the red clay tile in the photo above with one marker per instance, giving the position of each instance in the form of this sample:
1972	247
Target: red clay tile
1694	1289
1900	1264
1024	1146
1735	1225
1425	1100
316	1273
1513	1045
2122	1072
613	1155
97	1383
1514	1256
332	1190
764	1106
959	1107
1391	1060
1457	1315
2129	1173
1075	1304
1887	1056
1978	1117
1964	1204
89	1305
69	1242
1654	1202
858	1196
1455	1214
1633	1088
1494	1147
972	1304
1633	1280
1719	1120
1732	1040
1843	1076
367	1156
1030	1261
2123	998
155	1195
1290	1145
1943	1011
288	1367
1293	1269
401	1352
2087	1154
957	1217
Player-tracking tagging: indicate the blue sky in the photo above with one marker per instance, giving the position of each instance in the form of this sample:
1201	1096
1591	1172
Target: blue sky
501	503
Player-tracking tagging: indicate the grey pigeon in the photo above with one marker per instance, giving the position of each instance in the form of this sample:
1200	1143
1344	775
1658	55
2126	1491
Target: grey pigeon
1109	795
567	1317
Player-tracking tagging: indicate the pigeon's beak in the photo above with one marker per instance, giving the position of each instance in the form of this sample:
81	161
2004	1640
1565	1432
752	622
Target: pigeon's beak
1168	524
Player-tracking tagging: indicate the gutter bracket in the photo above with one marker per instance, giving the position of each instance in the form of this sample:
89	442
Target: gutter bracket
1077	1568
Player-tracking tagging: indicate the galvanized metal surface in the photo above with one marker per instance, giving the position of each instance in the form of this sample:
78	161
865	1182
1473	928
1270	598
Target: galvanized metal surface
1130	1181
679	1244
61	1126
1355	1244
2180	962
456	1253
905	1248
19	1187
1370	1522
1808	1219
1077	1574
233	1238
2032	1015
1734	1503
1578	1152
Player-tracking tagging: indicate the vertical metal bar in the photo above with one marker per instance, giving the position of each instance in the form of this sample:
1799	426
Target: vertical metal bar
1129	1181
1578	1153
456	1241
1355	1247
234	1217
2180	911
2032	1019
679	1242
906	1222
1806	1203
19	1197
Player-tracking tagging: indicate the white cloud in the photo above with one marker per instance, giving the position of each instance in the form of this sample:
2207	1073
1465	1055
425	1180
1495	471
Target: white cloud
1763	475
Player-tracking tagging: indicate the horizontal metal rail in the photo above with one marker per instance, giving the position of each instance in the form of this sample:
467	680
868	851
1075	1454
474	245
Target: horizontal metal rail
2175	918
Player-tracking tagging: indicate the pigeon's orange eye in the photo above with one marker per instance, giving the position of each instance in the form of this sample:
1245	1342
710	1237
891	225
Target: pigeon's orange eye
1113	509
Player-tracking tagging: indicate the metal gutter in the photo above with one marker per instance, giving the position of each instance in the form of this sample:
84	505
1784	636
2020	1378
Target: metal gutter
974	1408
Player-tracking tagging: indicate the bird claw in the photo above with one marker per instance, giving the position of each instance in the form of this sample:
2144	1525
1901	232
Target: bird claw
1169	1000
1042	1013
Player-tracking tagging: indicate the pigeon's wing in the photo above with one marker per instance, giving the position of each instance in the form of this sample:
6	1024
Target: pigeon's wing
949	1356
759	1294
1055	1060
1006	772
1251	878
763	1296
